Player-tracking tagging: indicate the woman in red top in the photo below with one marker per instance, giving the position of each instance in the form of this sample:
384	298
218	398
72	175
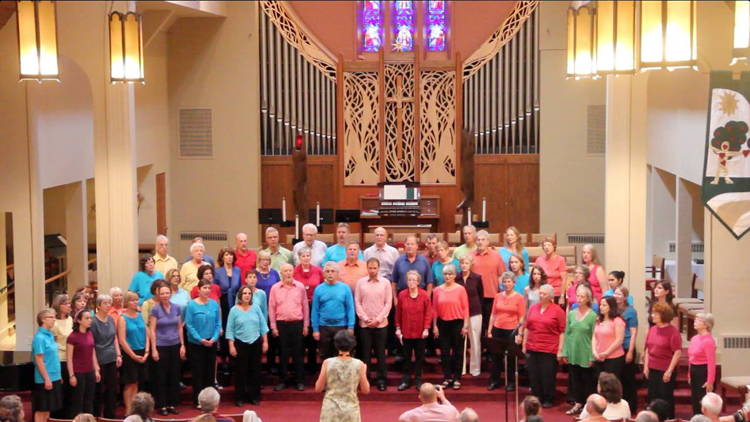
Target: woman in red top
413	318
450	304
543	341
609	333
207	272
597	276
82	365
310	276
508	312
661	356
554	266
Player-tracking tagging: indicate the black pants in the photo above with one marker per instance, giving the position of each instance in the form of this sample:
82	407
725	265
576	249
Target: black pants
451	347
498	361
582	381
203	364
629	384
247	377
311	348
327	350
418	346
374	338
168	370
614	366
290	342
64	411
658	389
486	312
82	399
698	377
542	368
393	344
106	391
273	351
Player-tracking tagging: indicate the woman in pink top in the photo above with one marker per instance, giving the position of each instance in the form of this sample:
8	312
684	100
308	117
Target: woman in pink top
508	312
555	267
580	275
609	333
702	360
450	304
597	276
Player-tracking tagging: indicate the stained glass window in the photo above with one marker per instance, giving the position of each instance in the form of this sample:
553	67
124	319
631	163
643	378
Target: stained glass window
403	28
372	25
436	26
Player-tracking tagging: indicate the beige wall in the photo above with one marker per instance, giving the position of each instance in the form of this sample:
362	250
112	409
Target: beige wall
213	63
571	181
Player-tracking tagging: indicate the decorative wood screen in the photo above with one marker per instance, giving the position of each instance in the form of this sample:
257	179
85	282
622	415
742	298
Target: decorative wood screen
361	128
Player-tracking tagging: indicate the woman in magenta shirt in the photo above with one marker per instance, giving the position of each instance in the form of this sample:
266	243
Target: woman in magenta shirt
554	266
702	360
82	365
609	333
661	356
597	276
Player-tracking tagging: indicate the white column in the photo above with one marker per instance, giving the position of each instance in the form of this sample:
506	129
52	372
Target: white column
76	231
625	185
684	239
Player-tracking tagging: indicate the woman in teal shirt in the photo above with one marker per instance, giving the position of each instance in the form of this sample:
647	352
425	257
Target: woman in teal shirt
577	349
134	344
203	323
142	280
248	340
444	258
514	245
48	396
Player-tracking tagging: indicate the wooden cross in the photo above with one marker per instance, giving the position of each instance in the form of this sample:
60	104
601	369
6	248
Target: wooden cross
399	99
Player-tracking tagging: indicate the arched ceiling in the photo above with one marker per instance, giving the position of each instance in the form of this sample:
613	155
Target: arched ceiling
334	24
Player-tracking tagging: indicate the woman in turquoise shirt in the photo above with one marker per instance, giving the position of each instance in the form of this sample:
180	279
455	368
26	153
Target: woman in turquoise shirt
577	349
259	296
514	244
518	268
444	258
142	280
248	340
48	396
134	344
203	323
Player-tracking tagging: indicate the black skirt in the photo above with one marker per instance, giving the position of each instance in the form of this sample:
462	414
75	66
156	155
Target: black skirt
44	400
131	371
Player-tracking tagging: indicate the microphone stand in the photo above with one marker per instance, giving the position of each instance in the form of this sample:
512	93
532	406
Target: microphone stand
509	349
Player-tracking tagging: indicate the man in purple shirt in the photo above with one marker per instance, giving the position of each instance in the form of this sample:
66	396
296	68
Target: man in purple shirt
435	407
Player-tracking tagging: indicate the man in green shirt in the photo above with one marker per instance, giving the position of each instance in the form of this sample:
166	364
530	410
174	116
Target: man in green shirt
470	237
279	254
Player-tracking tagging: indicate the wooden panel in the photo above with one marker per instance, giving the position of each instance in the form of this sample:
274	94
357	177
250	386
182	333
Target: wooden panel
161	204
511	185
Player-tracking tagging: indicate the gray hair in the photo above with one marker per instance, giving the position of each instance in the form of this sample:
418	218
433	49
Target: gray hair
707	318
208	399
101	298
548	289
712	403
133	418
271	230
262	254
431	236
162	237
333	265
589	294
142	405
114	290
585	270
646	416
346	225
468	257
304	250
14	405
310	226
508	276
195	246
468	415
449	269
483	233
471	227
701	418
414	273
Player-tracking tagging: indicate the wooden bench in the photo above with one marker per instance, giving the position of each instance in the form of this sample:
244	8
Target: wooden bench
738	384
683	309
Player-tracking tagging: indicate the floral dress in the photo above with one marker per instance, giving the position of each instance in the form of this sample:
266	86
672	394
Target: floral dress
340	403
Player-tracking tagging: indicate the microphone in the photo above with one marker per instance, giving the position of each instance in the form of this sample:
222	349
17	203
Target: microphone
515	330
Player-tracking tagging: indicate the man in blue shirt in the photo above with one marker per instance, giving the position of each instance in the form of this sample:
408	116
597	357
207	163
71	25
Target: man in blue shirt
337	253
408	262
332	310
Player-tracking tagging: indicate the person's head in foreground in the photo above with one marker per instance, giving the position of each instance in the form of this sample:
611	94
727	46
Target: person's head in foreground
660	408
711	405
208	399
468	415
428	393
530	406
646	416
344	341
142	405
11	409
596	405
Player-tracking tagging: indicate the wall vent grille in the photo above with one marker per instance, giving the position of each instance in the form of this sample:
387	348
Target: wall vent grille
207	236
596	129
696	247
736	342
196	133
593	238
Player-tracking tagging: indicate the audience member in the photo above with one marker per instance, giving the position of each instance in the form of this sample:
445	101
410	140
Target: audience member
179	296
316	247
134	343
435	407
543	341
647	416
577	350
247	334
489	265
450	305
337	252
631	368
84	417
372	301
554	266
611	389
245	258
472	282
290	320
332	310
660	408
518	268
339	378
411	261
597	277
444	257
162	261
514	245
12	408
142	406
142	280
468	415
535	418
189	270
506	320
711	405
352	268
702	359
469	233
279	254
48	392
609	333
595	407
203	324
167	350
385	253
530	406
430	248
661	356
82	365
209	400
700	418
412	321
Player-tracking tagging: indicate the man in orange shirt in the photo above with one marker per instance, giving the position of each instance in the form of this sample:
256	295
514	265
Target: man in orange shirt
489	265
352	269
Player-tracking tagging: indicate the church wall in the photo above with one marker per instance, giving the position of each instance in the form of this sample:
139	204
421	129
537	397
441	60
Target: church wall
213	63
571	181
